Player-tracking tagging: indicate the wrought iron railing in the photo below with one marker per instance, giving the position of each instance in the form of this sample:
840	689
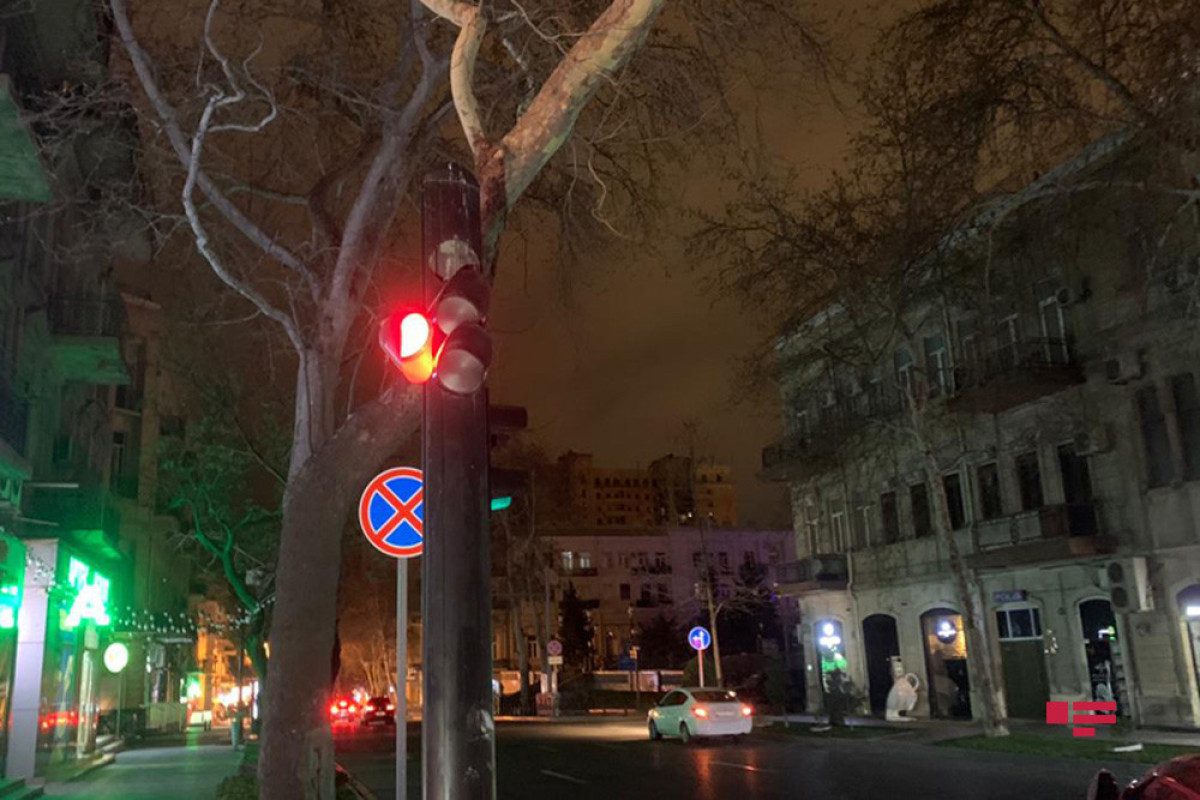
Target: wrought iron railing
86	314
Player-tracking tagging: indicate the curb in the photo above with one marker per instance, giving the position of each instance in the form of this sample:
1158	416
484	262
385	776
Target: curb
344	778
103	761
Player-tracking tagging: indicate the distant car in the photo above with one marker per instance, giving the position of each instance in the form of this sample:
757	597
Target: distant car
379	709
697	713
343	711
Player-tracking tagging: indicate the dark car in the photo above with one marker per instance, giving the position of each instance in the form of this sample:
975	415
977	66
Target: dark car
379	709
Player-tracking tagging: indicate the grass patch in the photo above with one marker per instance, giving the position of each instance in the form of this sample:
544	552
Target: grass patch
777	729
1059	747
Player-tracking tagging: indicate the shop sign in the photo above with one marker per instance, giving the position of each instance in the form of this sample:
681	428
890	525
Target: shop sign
91	596
1010	596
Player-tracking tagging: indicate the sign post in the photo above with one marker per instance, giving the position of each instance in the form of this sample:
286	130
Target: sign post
392	516
554	650
116	656
699	638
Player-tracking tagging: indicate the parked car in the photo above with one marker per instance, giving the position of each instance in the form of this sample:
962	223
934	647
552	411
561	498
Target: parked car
379	709
693	713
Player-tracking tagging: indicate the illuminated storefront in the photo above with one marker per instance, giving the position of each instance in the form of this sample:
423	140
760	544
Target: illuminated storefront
64	612
831	648
12	574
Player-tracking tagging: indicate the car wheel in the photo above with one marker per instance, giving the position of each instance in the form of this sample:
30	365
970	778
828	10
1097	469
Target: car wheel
685	735
655	734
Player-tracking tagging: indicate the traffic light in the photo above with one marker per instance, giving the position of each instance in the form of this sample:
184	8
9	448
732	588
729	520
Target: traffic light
504	484
449	341
407	338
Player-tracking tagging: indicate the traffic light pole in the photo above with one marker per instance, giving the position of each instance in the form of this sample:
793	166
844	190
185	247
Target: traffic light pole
458	730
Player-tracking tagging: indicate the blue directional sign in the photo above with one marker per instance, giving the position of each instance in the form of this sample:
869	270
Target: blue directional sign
699	638
391	512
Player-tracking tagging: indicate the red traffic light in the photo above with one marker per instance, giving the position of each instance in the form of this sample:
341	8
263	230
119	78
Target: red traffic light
407	338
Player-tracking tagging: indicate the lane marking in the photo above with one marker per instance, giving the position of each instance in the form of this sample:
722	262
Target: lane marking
746	767
561	777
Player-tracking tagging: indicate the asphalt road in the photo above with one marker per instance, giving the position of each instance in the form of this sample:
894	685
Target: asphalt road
614	760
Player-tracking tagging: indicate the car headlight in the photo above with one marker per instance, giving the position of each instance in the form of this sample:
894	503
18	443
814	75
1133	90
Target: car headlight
654	713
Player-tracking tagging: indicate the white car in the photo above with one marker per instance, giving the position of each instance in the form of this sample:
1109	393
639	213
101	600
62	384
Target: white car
696	713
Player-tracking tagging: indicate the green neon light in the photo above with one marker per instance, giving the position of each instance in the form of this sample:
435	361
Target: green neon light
10	601
501	503
91	596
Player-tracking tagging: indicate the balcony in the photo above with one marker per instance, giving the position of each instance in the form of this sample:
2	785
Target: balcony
821	573
578	572
1015	374
651	569
815	449
14	417
85	515
1049	533
85	331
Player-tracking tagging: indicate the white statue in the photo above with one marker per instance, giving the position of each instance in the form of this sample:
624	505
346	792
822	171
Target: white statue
902	697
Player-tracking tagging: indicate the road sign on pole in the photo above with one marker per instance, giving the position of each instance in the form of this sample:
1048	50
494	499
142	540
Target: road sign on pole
391	512
392	516
554	647
699	638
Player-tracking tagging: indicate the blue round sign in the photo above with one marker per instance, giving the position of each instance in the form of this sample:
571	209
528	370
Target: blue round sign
699	638
392	512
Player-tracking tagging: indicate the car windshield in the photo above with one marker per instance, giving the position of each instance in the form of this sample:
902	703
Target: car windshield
378	702
715	697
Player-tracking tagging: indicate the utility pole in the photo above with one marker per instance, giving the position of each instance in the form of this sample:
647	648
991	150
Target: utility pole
457	745
702	522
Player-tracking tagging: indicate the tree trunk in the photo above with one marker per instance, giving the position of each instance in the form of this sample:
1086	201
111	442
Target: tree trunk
296	762
522	660
979	644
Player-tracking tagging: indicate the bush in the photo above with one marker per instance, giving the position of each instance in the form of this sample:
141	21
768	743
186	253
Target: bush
238	787
842	697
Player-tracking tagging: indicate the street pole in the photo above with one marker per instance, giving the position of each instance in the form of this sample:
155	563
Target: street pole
401	678
458	730
237	738
700	657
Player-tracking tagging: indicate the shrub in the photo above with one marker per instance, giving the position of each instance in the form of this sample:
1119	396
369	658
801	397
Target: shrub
238	787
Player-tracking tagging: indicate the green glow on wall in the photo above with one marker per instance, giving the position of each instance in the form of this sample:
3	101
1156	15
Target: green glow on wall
10	601
91	596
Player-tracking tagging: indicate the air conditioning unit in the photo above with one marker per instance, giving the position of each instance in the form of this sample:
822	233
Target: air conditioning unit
1128	584
1095	440
1124	368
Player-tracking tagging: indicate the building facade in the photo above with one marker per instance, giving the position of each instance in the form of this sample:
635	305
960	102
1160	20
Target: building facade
1056	426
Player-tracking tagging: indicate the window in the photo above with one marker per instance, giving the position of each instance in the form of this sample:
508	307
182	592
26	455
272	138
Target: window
1029	479
968	349
660	560
922	525
990	505
723	560
861	527
118	454
837	523
1055	349
1007	338
1019	623
624	591
749	559
697	560
954	501
645	593
1155	439
1076	476
531	648
904	364
1187	412
937	364
568	560
891	517
664	593
585	560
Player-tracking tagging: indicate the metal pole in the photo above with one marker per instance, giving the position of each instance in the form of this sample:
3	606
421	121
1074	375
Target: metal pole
237	739
120	699
458	730
401	678
700	655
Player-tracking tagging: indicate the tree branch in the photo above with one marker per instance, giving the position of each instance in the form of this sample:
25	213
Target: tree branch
472	27
179	143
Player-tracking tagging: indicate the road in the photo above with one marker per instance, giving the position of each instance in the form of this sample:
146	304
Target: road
614	760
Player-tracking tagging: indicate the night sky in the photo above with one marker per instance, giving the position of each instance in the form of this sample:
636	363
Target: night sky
642	346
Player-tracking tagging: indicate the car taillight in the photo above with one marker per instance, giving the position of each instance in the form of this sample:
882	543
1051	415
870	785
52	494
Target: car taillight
747	711
700	711
333	708
391	707
352	708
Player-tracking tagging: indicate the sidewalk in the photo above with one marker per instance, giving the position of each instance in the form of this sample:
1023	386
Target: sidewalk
930	731
181	773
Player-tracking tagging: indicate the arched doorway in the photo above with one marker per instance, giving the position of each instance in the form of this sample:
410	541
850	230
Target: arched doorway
1099	628
881	643
946	664
1189	607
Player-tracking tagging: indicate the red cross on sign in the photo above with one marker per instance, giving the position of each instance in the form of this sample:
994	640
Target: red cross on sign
392	512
